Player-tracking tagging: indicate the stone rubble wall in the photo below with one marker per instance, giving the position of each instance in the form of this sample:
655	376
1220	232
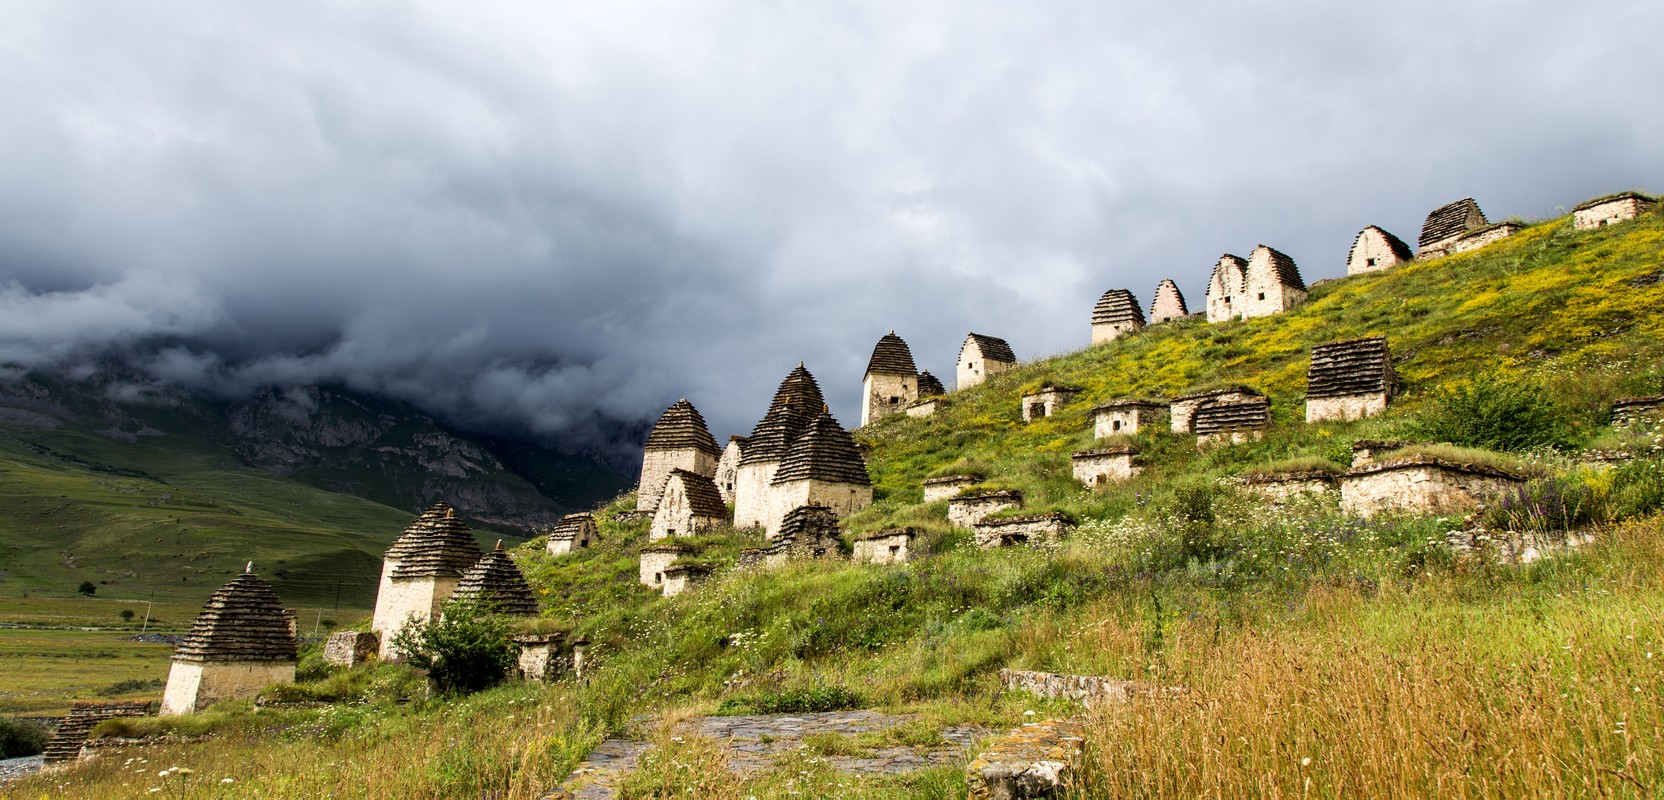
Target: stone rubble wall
1427	488
1283	489
964	512
886	395
943	490
924	408
351	648
878	549
1129	419
195	685
654	563
1029	530
843	498
1182	412
1099	470
1345	408
1611	212
1049	401
1484	236
656	466
1037	760
1091	691
727	471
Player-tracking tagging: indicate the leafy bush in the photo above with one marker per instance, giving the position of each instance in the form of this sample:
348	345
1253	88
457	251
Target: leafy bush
465	650
1549	505
1496	414
21	738
797	701
1637	488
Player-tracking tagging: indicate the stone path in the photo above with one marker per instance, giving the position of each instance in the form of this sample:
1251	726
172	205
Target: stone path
13	768
753	742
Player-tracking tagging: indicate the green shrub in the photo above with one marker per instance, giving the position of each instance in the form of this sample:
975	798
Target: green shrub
1550	505
1637	488
465	650
797	701
21	738
1496	414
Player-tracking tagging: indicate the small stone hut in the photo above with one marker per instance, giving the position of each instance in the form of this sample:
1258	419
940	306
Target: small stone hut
1271	284
948	486
496	582
1182	410
1375	250
1349	380
420	571
1421	484
1116	314
84	715
1105	465
1168	303
680	440
239	644
679	578
982	357
891	382
930	385
1225	288
1494	232
656	558
1048	400
1281	487
1611	210
809	532
1128	416
931	396
1024	530
573	532
894	546
823	468
1447	223
728	467
689	506
1232	421
967	510
796	405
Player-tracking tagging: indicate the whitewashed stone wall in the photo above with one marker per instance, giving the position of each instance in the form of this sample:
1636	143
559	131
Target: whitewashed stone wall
964	512
195	685
1225	288
1095	468
1279	489
948	486
350	648
1484	236
1168	303
655	470
1016	531
752	494
1346	407
654	562
1611	212
886	395
409	601
1045	403
925	407
1371	252
682	578
885	547
974	367
1228	438
843	498
1263	293
1111	420
675	516
727	470
1420	486
1110	331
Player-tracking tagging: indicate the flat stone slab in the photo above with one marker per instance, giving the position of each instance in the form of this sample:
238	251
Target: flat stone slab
753	742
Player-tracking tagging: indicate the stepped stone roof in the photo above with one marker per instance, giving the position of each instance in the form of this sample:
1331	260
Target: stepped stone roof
1611	198
1117	305
1216	392
1450	220
573	526
891	357
1228	260
825	452
1242	415
71	735
703	498
809	521
1168	303
1399	247
796	404
681	427
993	348
495	580
243	621
1353	366
1131	402
910	533
437	544
930	385
1281	266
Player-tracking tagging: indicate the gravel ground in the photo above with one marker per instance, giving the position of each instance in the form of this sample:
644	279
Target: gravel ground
14	768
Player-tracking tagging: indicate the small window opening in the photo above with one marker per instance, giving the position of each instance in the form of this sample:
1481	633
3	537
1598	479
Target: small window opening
894	400
1037	410
1369	262
658	577
895	549
670	532
1262	295
1115	426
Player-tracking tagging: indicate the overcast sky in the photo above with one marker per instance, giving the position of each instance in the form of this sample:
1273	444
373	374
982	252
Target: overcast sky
568	214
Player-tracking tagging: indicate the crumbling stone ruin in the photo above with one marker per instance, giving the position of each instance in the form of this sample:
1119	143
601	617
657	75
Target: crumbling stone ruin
728	467
689	506
679	578
948	486
1116	314
1046	401
1128	417
573	532
240	643
1458	228
982	357
1611	210
893	546
680	440
796	405
1225	287
1267	283
1421	484
892	380
967	510
1282	487
1168	303
1375	250
1103	466
930	386
1182	410
71	735
1349	380
1091	691
1631	411
931	396
496	582
540	656
1232	421
656	558
350	648
1019	531
823	467
809	531
420	571
1037	760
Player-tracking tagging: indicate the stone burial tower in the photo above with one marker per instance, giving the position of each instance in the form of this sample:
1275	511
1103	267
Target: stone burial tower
1349	380
495	582
1447	223
796	404
1116	314
822	468
1225	288
1375	250
241	643
420	571
680	440
982	357
1168	303
891	382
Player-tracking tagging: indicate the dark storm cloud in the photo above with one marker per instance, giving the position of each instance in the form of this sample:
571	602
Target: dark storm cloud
567	216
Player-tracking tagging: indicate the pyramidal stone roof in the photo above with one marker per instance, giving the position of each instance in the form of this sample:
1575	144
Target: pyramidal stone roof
703	498
1117	305
1281	265
1241	415
681	427
1399	247
825	452
1354	366
243	621
495	581
993	348
574	526
796	404
809	520
1168	303
437	544
1450	220
930	385
891	357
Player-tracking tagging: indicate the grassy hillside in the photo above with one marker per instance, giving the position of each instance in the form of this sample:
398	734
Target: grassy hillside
1317	655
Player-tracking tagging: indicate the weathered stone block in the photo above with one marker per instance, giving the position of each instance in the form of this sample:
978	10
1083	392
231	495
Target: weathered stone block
948	486
1037	760
1375	250
1020	531
195	685
1632	411
1128	417
968	510
893	546
1421	484
679	578
351	648
925	407
541	656
1046	401
655	559
1611	210
1101	467
1283	487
